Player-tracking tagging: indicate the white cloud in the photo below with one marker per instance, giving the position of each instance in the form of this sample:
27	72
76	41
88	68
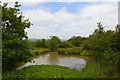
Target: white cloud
29	3
105	12
65	24
99	9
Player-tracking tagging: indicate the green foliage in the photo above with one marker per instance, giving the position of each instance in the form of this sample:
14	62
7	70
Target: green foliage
70	51
32	44
116	39
76	41
15	51
100	29
41	43
54	43
65	44
43	71
14	43
38	51
38	43
104	46
110	58
99	40
13	28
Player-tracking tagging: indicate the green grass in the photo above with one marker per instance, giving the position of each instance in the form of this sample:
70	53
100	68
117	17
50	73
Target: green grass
72	51
91	70
43	71
38	51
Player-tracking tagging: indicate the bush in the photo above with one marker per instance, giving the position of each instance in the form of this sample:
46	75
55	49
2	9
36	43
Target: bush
110	58
38	51
65	44
70	51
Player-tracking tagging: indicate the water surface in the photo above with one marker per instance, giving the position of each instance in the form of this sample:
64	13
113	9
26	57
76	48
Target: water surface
71	61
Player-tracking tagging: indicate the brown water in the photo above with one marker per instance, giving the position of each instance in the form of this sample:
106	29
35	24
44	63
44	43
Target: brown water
71	61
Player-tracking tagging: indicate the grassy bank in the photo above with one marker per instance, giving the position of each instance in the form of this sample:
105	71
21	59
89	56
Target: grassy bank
73	51
38	51
91	70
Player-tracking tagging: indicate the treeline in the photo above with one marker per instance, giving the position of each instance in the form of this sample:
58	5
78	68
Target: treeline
55	42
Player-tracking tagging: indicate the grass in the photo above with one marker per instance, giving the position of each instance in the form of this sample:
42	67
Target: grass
43	71
38	51
91	70
72	51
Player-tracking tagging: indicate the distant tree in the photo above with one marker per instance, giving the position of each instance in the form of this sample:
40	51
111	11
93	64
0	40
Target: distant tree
42	43
65	44
76	41
100	29
15	46
54	43
38	43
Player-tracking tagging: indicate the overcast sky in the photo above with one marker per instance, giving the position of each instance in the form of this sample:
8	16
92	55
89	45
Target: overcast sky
67	19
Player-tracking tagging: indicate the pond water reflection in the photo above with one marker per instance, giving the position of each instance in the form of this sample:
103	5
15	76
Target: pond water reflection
71	61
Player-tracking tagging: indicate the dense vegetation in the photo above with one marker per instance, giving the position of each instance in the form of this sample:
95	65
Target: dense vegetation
102	47
15	46
38	51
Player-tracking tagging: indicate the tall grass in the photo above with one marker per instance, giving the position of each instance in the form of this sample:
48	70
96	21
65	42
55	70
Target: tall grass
72	51
38	51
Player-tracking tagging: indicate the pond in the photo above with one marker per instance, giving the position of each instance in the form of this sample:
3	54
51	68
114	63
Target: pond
53	58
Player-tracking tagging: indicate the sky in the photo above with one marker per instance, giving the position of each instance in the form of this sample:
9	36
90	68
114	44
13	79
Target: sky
67	19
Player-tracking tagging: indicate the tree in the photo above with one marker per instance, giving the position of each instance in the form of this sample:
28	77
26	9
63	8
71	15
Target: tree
96	42
116	39
14	38
76	41
38	43
104	45
42	43
100	29
65	44
54	43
